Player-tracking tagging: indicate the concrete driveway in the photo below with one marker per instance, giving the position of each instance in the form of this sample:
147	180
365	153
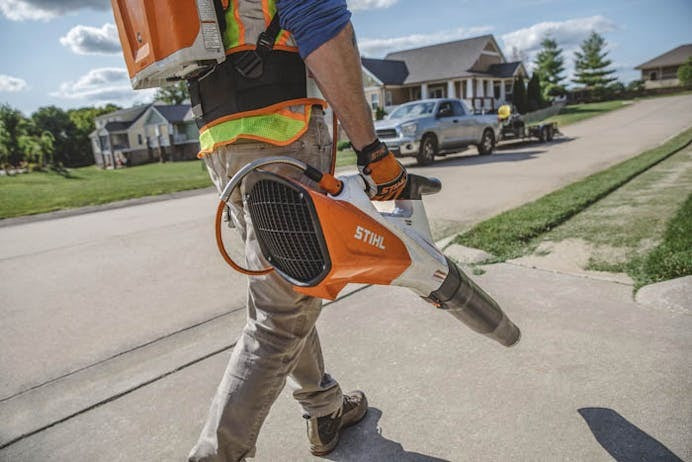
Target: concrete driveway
116	324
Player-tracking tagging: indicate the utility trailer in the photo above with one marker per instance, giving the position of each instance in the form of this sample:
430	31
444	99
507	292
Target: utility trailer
521	127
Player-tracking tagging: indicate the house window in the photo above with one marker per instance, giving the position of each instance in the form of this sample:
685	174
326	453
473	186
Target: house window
388	98
374	100
139	139
653	76
436	92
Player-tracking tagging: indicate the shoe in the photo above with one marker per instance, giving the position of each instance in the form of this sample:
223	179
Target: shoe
323	432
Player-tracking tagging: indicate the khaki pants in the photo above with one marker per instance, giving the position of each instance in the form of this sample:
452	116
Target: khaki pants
279	339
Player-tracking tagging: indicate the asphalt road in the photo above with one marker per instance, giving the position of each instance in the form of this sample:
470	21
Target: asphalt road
96	305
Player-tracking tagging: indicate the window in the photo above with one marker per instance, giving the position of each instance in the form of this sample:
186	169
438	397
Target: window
458	108
652	76
445	109
374	100
436	92
388	98
139	139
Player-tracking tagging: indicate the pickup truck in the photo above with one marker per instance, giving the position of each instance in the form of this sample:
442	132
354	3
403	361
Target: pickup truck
431	127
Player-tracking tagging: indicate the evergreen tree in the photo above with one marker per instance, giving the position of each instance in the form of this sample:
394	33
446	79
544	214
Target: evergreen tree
519	95
173	94
550	66
534	96
591	65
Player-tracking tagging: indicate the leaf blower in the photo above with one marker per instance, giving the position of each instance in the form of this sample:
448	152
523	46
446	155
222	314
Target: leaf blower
320	237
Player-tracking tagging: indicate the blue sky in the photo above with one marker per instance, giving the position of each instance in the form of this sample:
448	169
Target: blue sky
64	52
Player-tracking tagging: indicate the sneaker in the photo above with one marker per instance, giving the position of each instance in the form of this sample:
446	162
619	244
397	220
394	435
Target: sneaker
323	432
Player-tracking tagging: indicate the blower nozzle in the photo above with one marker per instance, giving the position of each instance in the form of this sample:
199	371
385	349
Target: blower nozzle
467	302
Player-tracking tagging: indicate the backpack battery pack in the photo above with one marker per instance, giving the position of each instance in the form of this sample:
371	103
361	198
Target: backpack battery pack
165	41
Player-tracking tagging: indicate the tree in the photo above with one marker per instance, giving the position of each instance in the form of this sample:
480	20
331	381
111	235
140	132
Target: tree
519	98
84	122
56	121
685	73
534	96
635	86
13	126
550	66
173	94
591	66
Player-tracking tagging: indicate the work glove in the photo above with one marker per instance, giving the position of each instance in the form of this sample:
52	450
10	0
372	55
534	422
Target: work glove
385	177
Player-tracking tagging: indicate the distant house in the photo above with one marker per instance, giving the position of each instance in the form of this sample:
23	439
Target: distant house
662	71
142	134
473	69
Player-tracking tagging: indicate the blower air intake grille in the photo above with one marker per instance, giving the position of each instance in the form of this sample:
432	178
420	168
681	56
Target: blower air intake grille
287	229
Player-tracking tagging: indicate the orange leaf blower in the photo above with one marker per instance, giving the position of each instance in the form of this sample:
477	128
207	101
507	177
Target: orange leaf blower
320	241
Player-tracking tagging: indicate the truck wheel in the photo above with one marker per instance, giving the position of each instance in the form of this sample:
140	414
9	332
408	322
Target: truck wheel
487	144
427	150
543	134
549	133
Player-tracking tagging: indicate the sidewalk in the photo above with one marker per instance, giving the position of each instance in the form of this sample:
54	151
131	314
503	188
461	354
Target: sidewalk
595	373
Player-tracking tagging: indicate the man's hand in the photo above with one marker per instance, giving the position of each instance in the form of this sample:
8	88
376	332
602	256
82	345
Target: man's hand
384	176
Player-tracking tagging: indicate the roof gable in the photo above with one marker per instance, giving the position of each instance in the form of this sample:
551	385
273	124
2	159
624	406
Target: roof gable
444	60
673	57
387	71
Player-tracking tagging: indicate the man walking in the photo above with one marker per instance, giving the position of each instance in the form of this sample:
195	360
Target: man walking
254	105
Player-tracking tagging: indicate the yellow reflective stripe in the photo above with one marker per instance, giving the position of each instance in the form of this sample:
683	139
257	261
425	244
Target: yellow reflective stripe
231	36
272	128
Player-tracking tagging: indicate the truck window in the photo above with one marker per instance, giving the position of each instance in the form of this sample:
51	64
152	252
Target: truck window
458	108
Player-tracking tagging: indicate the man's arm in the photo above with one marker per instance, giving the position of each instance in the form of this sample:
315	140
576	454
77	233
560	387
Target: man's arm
336	67
327	43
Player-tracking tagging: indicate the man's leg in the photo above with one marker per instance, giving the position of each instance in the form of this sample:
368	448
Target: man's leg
279	338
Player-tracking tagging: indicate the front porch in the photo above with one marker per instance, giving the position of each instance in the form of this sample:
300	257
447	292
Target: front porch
478	92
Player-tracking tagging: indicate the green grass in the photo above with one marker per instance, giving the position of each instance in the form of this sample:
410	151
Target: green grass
513	233
578	112
39	192
672	258
345	158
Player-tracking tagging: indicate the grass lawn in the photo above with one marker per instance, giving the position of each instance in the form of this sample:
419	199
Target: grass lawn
32	193
345	158
513	233
620	232
578	112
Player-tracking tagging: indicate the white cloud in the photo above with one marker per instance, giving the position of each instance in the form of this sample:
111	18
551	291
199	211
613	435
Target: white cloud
355	5
376	47
20	10
103	85
85	40
568	34
12	84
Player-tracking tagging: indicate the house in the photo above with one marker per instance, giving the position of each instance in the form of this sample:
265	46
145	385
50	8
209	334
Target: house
142	134
662	71
473	69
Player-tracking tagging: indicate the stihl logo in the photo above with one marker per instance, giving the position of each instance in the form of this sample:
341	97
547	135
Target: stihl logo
369	237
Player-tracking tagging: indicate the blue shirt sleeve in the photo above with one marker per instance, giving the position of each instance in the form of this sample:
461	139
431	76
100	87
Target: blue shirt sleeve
312	22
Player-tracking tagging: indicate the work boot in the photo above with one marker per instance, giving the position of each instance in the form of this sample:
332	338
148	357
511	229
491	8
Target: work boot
323	432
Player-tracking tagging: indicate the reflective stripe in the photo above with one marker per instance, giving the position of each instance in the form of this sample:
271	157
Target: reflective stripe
246	19
275	128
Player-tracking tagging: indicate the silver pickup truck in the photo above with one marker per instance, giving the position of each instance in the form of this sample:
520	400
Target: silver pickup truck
429	127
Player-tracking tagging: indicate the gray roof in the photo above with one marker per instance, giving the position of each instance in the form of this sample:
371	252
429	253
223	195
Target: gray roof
388	71
117	126
127	115
174	112
442	61
504	70
673	57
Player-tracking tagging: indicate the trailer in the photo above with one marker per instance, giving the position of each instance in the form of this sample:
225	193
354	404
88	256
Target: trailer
522	127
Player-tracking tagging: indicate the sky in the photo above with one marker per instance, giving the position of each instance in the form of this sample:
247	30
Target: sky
66	52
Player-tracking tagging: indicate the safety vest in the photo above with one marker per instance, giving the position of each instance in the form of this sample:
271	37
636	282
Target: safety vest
276	110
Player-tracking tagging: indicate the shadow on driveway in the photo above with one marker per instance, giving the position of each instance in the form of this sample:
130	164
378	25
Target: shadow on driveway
623	440
365	443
